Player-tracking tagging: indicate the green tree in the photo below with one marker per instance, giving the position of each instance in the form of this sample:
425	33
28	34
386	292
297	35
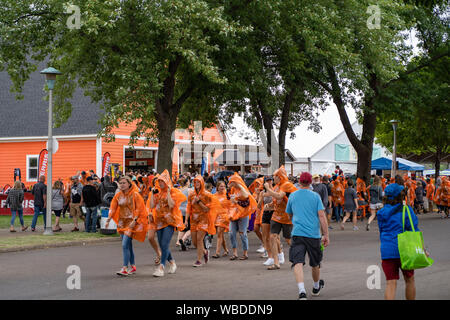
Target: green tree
145	62
420	98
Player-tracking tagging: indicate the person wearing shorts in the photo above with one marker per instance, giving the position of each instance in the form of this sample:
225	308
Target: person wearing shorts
280	219
351	205
75	204
390	225
376	199
310	231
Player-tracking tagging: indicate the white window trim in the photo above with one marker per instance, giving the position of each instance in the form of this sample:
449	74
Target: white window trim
28	161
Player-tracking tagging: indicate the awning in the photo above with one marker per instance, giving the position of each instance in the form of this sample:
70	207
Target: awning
433	172
386	164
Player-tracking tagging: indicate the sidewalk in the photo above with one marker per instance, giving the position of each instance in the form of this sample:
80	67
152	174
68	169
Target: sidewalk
28	240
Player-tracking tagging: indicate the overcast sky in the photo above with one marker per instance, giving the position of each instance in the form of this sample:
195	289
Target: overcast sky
307	142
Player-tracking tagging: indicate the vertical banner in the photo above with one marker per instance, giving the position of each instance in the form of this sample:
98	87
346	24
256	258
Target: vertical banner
106	163
43	162
203	168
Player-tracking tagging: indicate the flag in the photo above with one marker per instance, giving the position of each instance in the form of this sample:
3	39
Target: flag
106	163
43	162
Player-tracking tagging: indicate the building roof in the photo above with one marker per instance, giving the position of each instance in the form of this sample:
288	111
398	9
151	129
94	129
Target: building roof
29	117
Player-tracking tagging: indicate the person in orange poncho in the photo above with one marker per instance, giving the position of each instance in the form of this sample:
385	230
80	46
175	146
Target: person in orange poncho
242	206
223	218
442	197
430	189
167	217
411	190
280	219
337	193
202	209
153	186
128	212
257	187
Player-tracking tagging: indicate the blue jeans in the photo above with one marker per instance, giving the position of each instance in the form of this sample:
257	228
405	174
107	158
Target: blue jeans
337	212
164	237
13	214
37	212
127	249
90	223
240	225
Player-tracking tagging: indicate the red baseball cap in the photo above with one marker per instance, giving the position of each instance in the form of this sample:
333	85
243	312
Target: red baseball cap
305	178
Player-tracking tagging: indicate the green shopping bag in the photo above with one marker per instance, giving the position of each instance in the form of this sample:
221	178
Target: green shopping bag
411	248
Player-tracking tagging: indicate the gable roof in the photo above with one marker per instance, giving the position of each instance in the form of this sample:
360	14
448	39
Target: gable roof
29	117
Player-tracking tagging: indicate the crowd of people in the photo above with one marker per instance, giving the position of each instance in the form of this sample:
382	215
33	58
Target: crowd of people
147	205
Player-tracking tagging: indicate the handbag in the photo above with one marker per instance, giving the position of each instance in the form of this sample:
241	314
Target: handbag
411	248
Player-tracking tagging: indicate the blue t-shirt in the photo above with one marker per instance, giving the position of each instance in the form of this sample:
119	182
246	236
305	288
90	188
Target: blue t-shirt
304	206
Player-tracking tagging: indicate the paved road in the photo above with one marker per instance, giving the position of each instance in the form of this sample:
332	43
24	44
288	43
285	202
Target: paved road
41	274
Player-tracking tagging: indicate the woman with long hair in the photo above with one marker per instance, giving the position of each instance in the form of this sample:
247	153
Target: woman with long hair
14	200
57	203
128	212
256	188
376	199
223	218
242	206
151	224
202	210
167	216
350	205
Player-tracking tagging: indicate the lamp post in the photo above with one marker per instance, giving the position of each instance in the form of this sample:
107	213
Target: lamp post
50	77
394	153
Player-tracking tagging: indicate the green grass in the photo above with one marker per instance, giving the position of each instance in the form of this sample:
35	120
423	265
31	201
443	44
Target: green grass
6	220
31	240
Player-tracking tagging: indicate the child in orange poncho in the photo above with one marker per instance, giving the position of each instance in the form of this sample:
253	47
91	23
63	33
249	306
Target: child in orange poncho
128	212
202	209
430	189
242	206
223	218
167	216
280	219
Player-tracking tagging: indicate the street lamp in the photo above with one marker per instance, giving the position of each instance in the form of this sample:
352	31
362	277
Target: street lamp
394	153
50	77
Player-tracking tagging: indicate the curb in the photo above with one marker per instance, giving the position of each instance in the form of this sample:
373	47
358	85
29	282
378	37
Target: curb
58	245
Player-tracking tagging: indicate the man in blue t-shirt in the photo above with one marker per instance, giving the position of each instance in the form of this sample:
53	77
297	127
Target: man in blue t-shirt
309	222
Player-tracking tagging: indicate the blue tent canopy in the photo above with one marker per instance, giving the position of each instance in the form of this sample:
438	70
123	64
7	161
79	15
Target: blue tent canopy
386	164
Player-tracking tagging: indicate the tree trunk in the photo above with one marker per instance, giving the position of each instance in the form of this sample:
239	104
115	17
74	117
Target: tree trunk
437	162
284	125
166	126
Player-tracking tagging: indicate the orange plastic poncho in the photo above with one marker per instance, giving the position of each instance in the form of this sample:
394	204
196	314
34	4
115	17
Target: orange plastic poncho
383	183
223	214
337	192
201	220
258	187
360	188
237	211
411	193
127	206
163	216
279	206
442	197
430	188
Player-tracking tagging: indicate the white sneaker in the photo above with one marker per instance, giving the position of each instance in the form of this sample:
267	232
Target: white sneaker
355	228
269	262
172	268
281	258
158	272
261	249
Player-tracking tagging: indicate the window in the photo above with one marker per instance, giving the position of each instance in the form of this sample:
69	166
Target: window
32	168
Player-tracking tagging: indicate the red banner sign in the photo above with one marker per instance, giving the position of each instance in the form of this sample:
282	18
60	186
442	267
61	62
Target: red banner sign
106	163
43	162
27	204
